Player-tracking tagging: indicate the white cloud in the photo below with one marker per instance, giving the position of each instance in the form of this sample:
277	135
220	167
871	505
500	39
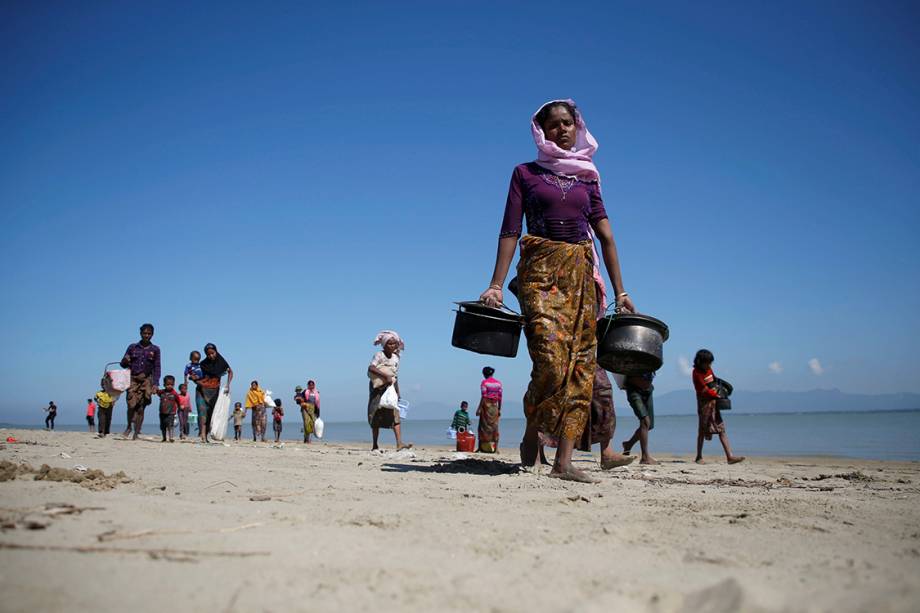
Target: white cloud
775	367
815	365
684	364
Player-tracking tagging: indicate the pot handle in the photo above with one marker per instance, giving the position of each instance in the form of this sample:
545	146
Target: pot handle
506	307
616	311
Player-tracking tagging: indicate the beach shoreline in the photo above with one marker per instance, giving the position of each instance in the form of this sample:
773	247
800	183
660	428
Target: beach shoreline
314	527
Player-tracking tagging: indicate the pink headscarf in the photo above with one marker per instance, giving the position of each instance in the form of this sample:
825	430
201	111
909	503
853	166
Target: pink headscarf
385	335
573	163
576	162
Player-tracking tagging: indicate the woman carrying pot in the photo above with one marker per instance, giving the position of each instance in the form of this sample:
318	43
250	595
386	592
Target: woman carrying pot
207	387
559	193
383	372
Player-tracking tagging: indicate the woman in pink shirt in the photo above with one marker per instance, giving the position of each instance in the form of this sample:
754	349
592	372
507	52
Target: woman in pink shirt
489	411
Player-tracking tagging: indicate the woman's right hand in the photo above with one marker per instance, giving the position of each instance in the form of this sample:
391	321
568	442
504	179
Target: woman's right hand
492	297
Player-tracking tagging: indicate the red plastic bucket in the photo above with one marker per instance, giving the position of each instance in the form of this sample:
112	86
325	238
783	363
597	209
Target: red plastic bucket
466	442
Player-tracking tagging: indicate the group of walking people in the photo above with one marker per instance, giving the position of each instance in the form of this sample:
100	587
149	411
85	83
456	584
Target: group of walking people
142	360
569	401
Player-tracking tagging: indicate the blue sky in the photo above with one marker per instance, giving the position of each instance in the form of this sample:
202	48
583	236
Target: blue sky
285	179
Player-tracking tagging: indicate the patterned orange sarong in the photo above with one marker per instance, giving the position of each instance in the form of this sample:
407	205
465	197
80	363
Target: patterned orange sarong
559	304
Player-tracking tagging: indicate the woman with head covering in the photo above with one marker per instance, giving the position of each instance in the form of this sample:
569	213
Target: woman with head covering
308	400
207	387
560	286
383	372
489	411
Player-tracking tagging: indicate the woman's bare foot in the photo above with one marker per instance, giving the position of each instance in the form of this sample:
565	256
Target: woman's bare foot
699	461
528	454
648	460
736	459
615	460
572	474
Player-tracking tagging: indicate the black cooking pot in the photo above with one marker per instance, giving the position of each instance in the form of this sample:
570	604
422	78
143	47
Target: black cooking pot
483	329
630	344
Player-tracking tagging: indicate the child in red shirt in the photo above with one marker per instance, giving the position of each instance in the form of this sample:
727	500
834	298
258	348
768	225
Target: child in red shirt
710	418
169	404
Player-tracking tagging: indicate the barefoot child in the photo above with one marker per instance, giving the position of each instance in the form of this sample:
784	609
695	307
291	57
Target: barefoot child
169	405
238	421
90	414
185	407
277	416
104	405
639	390
710	419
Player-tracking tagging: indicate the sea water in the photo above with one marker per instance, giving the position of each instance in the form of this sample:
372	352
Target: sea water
880	435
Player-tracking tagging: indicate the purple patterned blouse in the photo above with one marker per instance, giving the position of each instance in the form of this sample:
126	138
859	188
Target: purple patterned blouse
557	208
143	360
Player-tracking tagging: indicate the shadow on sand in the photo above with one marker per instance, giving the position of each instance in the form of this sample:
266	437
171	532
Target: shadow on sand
468	466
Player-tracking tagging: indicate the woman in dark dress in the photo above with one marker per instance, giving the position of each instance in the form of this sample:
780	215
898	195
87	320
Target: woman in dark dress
207	387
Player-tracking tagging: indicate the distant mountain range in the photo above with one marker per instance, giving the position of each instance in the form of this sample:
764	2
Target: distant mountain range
683	402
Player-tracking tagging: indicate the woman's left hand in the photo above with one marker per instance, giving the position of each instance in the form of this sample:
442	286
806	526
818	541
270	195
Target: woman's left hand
625	305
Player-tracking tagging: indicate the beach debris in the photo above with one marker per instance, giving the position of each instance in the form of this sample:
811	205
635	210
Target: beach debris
64	455
577	498
93	479
114	535
11	439
32	524
851	476
373	522
63	508
9	470
80	468
260	498
35	518
222	482
675	481
156	554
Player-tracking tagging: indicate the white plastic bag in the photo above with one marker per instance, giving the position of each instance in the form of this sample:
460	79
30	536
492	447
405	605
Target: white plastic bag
390	399
318	427
452	434
269	403
119	379
403	406
220	416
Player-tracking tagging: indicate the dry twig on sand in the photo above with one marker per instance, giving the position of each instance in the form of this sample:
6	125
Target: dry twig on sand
113	535
154	553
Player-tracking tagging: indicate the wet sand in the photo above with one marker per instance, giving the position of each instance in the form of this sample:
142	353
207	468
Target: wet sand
330	526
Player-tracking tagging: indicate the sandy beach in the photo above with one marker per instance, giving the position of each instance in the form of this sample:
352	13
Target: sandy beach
335	527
